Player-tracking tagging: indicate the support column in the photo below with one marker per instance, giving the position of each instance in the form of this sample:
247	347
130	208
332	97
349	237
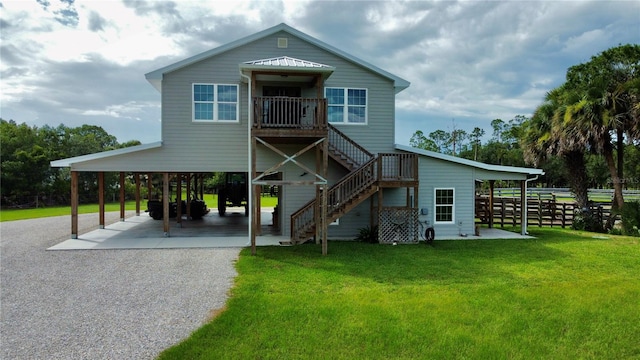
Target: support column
201	186
122	196
74	204
149	186
165	203
137	178
101	199
325	195
188	180
523	207
179	199
317	216
258	205
252	227
491	184
371	212
408	197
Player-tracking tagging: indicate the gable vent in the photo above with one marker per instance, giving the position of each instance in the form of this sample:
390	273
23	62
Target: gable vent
283	43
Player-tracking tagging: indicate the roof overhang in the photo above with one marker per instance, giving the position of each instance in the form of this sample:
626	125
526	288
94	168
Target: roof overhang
488	170
69	162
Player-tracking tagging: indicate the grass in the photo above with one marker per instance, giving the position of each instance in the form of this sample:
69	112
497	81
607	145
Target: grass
565	295
21	214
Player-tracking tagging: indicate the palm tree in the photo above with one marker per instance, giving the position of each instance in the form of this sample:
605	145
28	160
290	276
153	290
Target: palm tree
606	108
543	137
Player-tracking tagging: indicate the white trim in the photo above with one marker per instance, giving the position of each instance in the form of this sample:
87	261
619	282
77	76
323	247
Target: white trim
345	105
476	164
215	103
435	206
68	162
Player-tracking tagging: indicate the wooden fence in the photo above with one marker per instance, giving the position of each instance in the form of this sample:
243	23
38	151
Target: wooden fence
541	212
598	195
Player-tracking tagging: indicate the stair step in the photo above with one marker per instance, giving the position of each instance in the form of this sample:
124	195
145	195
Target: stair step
286	243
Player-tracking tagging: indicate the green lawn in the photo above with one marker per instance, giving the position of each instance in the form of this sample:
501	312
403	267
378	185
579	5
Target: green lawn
20	214
565	295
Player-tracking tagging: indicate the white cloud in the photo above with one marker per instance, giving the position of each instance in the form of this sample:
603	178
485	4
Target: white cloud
472	61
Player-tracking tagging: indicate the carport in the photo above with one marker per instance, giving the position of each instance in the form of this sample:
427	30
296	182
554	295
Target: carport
142	161
142	232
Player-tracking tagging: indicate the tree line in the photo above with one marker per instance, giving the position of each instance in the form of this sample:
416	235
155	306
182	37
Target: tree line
585	134
27	179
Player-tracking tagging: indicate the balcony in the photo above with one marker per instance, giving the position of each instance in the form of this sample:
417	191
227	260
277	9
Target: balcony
287	117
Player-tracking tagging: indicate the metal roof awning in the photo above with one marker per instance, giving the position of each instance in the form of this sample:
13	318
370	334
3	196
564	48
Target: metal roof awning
286	65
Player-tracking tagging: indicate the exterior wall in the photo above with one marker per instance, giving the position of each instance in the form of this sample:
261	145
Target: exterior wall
199	145
442	174
206	146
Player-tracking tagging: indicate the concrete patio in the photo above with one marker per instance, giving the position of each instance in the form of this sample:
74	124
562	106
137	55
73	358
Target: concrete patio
212	231
142	232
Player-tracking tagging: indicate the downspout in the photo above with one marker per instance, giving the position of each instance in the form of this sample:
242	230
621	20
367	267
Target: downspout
249	174
523	228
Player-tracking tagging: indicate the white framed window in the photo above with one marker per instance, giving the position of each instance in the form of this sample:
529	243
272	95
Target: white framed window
346	105
444	200
215	103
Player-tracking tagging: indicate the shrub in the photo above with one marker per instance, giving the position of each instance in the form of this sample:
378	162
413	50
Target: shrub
631	218
368	234
587	219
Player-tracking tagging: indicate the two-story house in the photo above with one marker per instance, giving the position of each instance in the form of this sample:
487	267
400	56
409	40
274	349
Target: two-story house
318	123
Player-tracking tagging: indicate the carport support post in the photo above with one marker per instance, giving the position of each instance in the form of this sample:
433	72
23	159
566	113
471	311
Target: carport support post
188	180
101	199
137	178
74	204
251	204
523	207
149	186
121	196
179	199
165	203
258	205
491	184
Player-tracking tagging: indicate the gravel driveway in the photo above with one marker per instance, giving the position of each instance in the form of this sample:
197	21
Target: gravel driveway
101	304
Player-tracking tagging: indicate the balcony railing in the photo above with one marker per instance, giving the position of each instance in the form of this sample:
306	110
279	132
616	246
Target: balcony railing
280	113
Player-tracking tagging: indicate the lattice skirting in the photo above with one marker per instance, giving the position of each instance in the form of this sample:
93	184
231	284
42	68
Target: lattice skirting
398	225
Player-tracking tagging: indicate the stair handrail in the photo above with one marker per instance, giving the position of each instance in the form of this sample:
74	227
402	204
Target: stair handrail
344	145
351	185
339	194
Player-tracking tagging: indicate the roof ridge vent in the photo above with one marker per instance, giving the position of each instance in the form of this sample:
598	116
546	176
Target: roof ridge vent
283	43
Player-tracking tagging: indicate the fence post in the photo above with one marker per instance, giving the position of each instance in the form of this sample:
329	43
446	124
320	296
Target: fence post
539	212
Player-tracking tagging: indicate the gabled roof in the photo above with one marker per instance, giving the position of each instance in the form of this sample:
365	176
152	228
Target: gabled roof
68	162
475	164
155	77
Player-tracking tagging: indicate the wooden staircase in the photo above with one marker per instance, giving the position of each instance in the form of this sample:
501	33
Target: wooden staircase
345	151
351	190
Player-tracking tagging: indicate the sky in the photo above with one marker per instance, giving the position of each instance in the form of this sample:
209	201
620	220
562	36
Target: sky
469	62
